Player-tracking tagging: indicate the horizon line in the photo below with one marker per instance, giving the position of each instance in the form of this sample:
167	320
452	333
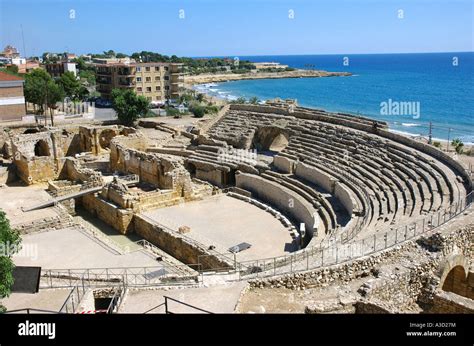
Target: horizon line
311	54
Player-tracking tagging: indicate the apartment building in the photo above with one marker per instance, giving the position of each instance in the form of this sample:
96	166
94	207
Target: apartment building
12	98
57	69
157	82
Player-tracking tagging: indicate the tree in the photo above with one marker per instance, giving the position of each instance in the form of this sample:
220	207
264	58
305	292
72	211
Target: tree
458	145
54	94
70	84
110	53
239	100
200	97
197	109
129	106
254	100
40	89
9	244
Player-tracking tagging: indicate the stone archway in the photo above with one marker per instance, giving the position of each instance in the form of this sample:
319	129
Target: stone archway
271	138
105	137
42	148
453	274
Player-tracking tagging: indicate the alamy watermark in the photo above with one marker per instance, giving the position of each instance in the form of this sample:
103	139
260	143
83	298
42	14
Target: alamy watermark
248	156
391	107
20	250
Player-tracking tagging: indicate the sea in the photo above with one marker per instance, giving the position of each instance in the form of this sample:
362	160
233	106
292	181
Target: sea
413	93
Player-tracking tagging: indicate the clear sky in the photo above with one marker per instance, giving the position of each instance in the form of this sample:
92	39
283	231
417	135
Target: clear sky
238	27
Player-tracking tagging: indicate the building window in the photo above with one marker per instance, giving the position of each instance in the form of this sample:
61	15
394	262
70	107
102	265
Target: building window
167	77
148	79
139	69
139	79
147	69
149	98
157	78
157	68
158	98
167	87
166	68
148	89
139	89
158	88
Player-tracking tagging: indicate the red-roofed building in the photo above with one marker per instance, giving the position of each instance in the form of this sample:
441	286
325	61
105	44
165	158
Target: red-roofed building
12	98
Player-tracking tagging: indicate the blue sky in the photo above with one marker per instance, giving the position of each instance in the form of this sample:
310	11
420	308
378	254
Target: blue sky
238	27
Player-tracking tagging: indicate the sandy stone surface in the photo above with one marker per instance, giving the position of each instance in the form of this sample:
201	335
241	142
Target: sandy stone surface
50	299
225	222
12	198
70	249
221	299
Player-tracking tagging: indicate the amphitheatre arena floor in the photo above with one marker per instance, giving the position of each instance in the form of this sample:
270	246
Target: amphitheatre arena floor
50	299
70	248
13	198
224	222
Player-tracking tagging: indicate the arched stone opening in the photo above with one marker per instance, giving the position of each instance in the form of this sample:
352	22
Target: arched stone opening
105	137
455	281
42	148
191	167
270	138
30	131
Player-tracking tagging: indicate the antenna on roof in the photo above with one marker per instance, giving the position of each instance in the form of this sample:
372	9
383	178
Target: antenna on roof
23	38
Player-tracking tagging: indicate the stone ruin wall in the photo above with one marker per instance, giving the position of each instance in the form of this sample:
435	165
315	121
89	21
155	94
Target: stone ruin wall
178	246
97	139
31	168
163	171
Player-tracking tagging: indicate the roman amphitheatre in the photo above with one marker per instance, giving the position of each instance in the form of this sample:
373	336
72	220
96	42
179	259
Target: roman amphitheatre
262	208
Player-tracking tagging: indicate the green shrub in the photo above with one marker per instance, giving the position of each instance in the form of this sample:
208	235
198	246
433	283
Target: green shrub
198	111
173	112
437	144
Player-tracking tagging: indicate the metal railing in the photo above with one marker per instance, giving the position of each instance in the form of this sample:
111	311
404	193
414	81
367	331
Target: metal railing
339	252
166	305
73	299
167	263
30	310
103	277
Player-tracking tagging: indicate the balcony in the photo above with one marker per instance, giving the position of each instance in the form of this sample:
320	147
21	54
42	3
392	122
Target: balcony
104	72
104	89
177	79
126	72
102	80
126	84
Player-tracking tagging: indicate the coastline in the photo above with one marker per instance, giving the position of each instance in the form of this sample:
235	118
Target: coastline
190	81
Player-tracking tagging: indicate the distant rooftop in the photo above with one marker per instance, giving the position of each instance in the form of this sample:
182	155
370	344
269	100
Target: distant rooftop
4	77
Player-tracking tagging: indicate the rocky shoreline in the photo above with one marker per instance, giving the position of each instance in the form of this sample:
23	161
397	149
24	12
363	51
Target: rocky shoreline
226	77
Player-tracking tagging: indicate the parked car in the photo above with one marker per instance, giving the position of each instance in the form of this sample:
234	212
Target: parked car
102	103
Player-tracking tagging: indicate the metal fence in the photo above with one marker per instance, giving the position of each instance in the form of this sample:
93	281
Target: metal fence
166	306
74	298
103	277
338	251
